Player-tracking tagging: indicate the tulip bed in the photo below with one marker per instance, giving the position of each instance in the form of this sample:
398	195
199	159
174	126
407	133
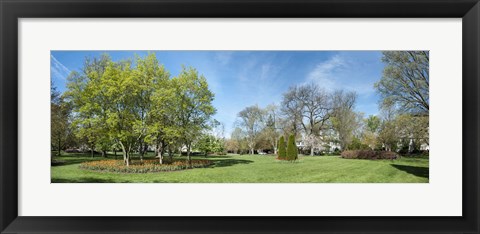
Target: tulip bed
144	166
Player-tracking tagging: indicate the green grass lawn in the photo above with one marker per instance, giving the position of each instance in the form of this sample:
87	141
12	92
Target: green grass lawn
259	168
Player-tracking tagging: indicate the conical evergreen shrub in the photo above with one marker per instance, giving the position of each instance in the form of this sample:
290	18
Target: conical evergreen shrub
282	152
292	151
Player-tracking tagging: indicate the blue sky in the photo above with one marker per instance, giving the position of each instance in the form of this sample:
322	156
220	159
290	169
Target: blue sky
244	78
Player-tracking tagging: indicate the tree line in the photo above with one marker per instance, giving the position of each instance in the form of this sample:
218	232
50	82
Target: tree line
319	118
131	105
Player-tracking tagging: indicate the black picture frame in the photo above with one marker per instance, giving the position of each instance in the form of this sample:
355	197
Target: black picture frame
11	11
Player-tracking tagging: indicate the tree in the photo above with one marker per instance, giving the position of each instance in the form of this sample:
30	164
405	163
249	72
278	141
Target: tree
292	151
282	151
233	146
291	109
121	88
344	119
206	144
193	106
155	101
388	131
412	131
251	120
388	135
311	106
405	80
370	133
60	113
84	95
239	137
271	126
372	123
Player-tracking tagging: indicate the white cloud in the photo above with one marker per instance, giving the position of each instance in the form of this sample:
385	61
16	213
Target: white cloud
336	73
322	74
57	69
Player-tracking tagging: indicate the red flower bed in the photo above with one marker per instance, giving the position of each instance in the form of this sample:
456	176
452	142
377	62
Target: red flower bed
151	165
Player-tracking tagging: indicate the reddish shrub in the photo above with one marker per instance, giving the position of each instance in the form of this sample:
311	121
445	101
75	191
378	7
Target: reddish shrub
369	154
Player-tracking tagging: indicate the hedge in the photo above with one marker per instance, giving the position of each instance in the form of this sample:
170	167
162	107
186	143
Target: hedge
292	151
369	154
282	152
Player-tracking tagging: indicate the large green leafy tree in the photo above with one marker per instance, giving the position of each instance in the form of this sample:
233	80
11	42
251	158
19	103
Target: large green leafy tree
193	106
86	96
105	99
151	103
131	105
405	80
208	143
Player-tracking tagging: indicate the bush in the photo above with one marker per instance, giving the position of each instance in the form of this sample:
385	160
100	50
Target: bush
142	167
292	151
336	151
56	162
282	152
72	151
369	154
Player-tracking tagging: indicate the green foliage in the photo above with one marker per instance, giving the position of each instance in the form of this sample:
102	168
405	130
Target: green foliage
372	123
210	144
193	108
357	144
292	151
62	133
129	104
282	151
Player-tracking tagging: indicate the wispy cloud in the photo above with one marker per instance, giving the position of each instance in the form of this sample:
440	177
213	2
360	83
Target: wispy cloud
223	57
266	71
323	73
57	69
338	73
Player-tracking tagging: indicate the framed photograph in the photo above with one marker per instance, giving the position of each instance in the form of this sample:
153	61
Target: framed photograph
227	116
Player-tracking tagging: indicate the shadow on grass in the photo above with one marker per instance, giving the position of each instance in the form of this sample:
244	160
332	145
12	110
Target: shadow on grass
84	180
416	171
67	162
222	160
225	161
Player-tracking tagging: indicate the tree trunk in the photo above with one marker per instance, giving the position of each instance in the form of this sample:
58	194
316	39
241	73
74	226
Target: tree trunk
115	152
312	151
126	156
188	156
170	154
91	152
141	151
59	152
104	153
160	152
